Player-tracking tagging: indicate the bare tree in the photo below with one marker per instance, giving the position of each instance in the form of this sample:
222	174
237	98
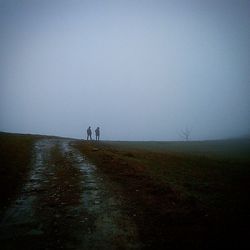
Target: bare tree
186	133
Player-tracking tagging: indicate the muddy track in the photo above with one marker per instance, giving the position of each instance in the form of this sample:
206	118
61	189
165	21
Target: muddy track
66	203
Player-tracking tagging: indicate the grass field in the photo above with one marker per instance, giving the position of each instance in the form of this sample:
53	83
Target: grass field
182	193
15	159
195	168
226	149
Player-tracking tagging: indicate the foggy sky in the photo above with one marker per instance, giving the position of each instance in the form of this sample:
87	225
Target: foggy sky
140	70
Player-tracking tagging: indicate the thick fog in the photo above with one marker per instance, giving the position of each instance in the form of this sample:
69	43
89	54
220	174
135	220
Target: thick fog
140	70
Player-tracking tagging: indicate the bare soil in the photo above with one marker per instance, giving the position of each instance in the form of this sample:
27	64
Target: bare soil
66	203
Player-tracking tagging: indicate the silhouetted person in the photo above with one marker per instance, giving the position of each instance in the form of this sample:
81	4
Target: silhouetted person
89	133
97	134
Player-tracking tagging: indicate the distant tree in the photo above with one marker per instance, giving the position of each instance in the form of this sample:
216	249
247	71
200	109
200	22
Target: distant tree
185	134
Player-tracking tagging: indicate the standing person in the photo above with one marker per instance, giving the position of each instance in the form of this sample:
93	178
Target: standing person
89	133
97	134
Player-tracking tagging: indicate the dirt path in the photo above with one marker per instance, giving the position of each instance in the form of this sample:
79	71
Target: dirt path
66	204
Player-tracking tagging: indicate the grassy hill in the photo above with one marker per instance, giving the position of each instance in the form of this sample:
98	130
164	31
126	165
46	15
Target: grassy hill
178	193
181	193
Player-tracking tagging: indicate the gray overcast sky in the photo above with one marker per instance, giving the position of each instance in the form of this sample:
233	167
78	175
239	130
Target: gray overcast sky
141	70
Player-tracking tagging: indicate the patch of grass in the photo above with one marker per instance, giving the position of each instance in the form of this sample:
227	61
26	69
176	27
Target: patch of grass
15	159
177	199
